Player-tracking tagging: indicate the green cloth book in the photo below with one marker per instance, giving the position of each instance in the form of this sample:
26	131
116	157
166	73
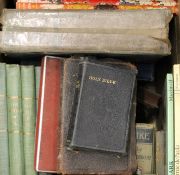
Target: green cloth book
29	116
15	127
169	106
4	155
37	76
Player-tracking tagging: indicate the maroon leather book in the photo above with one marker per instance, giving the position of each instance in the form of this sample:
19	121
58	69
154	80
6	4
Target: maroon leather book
47	127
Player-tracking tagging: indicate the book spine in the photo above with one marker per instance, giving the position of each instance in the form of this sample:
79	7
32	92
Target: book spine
4	155
145	147
70	85
73	6
37	75
160	153
169	125
29	116
15	126
176	74
47	128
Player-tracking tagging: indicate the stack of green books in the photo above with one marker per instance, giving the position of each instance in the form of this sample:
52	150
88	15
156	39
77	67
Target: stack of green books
19	86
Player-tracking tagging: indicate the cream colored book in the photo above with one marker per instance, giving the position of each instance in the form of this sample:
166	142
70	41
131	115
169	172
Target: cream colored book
176	76
145	147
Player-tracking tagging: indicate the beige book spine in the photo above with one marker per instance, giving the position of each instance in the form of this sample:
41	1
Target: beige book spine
176	74
145	147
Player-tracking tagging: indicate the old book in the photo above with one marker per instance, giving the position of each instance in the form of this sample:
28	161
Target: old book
155	23
126	6
160	152
101	117
58	42
15	121
145	147
29	117
169	115
86	162
125	3
37	80
4	153
176	77
47	127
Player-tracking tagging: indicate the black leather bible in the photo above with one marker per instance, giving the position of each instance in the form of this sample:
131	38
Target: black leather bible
102	113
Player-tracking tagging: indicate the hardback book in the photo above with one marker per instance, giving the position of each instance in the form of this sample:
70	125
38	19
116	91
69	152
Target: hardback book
87	162
146	72
145	147
47	125
15	120
29	116
102	108
37	41
169	115
160	152
124	5
154	22
37	82
4	153
176	77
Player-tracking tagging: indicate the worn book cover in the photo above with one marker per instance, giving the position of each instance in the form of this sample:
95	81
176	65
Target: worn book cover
87	162
160	152
145	147
123	5
29	116
47	127
15	120
102	114
4	151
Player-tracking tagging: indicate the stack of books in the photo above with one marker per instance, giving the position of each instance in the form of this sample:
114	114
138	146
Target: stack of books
97	108
18	118
94	108
51	31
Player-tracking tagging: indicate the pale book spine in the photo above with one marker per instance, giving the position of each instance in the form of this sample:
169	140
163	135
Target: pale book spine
15	126
160	153
29	115
176	74
169	125
145	147
37	76
4	154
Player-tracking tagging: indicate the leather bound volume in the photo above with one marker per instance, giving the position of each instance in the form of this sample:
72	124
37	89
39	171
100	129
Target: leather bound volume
90	162
103	109
47	128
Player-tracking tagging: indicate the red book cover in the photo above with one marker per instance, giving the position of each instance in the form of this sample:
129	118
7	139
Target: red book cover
47	127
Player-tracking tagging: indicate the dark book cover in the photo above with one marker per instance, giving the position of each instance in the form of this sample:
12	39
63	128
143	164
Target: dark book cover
87	162
146	72
103	108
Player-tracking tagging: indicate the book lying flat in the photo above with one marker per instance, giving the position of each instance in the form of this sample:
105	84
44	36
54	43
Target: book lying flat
90	162
98	43
103	103
154	23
